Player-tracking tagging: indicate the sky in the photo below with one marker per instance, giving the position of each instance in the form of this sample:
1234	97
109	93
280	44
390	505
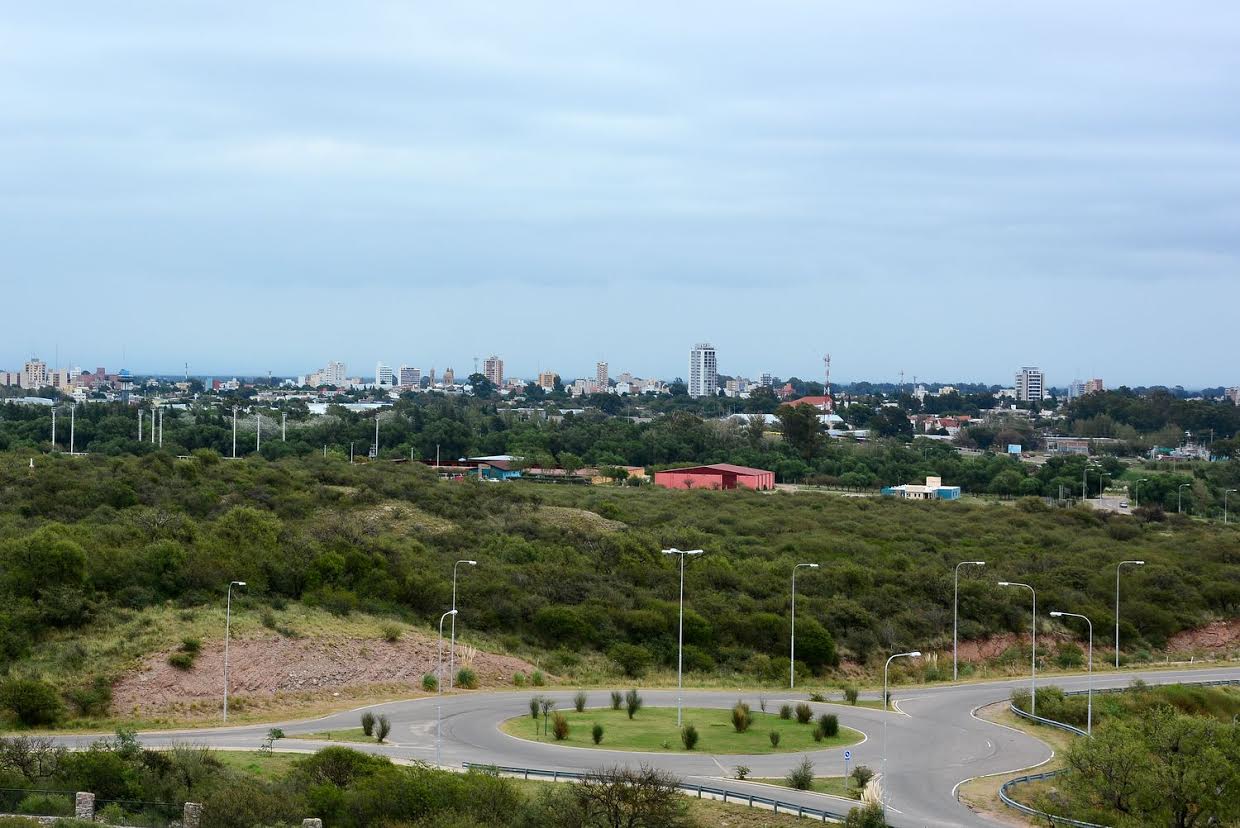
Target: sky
952	190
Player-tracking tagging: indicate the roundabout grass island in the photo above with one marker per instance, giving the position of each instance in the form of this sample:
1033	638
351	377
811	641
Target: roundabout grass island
653	730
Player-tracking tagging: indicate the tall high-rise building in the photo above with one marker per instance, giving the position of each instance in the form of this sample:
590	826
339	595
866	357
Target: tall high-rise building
384	374
1030	385
336	373
34	373
546	380
600	375
1077	389
410	376
766	380
1094	386
703	371
1233	394
493	370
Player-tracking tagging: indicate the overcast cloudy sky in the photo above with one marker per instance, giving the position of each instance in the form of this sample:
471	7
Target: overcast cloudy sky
948	189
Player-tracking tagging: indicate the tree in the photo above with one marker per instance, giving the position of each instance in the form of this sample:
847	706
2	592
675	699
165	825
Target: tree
626	797
801	429
33	702
866	816
34	757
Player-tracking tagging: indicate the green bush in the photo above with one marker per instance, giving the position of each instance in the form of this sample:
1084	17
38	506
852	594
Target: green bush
689	736
535	706
741	718
742	771
191	645
818	734
830	724
817	696
391	632
559	727
632	702
866	816
382	728
851	694
33	703
181	661
45	804
802	776
632	659
785	711
518	679
774	737
430	682
368	723
466	679
804	713
616	699
579	701
596	733
538	679
862	775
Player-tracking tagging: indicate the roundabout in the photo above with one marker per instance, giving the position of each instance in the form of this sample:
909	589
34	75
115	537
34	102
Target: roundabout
654	730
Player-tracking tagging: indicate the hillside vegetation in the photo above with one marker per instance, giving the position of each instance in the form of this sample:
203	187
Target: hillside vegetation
568	575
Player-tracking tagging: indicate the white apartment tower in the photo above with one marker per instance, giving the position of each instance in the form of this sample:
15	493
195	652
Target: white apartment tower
384	374
493	370
703	371
600	376
34	374
335	374
1030	385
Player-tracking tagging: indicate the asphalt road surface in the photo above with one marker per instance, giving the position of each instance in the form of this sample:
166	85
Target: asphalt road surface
933	743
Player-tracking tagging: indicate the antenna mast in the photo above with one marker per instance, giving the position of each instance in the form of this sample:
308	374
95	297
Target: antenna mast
827	402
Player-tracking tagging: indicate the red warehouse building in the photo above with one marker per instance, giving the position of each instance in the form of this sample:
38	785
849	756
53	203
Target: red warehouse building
716	476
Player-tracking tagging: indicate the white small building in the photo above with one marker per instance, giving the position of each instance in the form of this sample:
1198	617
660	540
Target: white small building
933	490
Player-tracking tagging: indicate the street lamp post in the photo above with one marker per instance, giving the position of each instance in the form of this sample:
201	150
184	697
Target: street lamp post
1102	476
1117	568
73	418
956	611
452	648
792	650
913	654
439	687
1089	695
1179	497
1033	648
234	432
1136	491
227	634
1225	493
680	634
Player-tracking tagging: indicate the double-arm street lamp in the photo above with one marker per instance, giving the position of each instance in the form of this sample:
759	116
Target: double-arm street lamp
680	647
1033	647
956	611
792	650
452	649
913	654
1118	566
227	634
1089	720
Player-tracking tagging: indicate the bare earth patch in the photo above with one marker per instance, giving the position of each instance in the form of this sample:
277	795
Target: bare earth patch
1217	636
270	667
581	520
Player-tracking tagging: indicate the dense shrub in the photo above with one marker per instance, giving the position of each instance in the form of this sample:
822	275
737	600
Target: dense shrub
559	727
689	736
741	719
774	737
633	660
33	703
579	701
801	777
804	713
785	711
851	694
596	733
467	679
632	702
830	724
430	682
382	728
368	723
616	699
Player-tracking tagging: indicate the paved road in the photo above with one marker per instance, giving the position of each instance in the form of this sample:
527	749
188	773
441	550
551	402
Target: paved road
933	744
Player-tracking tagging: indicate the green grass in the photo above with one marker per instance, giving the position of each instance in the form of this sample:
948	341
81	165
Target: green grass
349	734
834	785
653	728
269	766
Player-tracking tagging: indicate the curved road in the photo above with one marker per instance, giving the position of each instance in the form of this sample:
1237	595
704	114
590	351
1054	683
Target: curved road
935	742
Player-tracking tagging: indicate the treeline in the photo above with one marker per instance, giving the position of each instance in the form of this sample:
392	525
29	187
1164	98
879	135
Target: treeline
81	538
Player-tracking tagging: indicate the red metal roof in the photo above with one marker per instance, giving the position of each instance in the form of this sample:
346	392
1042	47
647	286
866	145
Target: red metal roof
815	401
722	468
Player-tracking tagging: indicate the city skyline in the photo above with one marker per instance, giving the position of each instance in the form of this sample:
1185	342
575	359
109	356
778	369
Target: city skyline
853	178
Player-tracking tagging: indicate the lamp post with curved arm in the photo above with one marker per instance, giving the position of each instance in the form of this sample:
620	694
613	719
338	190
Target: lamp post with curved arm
1033	648
792	649
1117	568
956	611
1179	497
1089	720
680	647
439	688
452	648
1225	493
913	654
1136	491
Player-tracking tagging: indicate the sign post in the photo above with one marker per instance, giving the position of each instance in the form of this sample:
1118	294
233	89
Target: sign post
847	756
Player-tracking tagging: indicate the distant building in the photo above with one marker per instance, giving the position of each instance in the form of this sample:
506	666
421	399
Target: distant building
1030	385
600	376
1233	394
703	371
766	381
384	375
1094	386
1068	445
410	377
716	476
822	402
34	374
493	370
546	380
933	490
449	376
1076	389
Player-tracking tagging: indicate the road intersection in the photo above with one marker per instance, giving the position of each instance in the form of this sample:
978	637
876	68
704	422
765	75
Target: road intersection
935	741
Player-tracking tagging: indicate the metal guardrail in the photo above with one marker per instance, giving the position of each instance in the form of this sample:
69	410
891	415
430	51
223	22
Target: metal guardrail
1071	729
1034	812
1048	722
776	805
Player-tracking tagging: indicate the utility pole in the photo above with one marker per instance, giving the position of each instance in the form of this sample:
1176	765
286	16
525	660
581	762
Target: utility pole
283	426
72	419
258	431
139	424
53	427
234	432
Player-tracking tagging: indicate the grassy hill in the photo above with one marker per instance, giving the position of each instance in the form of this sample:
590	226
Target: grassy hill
569	577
